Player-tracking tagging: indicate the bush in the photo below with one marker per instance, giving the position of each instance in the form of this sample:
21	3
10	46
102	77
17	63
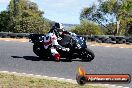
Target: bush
87	28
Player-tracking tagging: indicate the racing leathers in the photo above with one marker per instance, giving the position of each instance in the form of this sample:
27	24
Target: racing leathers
50	41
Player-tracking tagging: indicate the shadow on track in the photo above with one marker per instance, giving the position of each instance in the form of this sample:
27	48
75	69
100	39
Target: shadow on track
35	58
32	58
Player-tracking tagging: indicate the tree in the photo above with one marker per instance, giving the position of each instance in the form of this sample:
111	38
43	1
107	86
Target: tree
109	10
111	27
87	28
4	21
26	17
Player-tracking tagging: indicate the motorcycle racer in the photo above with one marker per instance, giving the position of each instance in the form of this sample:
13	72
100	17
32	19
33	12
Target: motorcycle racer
51	43
70	46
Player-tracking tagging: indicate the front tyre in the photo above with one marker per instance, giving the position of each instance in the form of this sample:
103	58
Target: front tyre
87	55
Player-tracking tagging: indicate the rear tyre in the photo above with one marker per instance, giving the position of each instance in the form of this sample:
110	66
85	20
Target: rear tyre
37	51
87	55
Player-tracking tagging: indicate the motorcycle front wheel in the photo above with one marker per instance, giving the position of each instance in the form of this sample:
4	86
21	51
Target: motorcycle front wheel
87	55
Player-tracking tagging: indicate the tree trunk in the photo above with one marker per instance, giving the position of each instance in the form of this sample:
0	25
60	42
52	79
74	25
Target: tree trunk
117	27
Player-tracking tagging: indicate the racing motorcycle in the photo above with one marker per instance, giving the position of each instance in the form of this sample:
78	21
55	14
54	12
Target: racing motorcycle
76	45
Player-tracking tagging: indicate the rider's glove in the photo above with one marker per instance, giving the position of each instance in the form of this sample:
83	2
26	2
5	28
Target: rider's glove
59	38
65	49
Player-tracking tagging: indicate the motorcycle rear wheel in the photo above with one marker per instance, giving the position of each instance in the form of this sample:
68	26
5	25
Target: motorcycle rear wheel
37	50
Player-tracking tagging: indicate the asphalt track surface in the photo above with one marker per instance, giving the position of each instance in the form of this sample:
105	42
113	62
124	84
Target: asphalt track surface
19	57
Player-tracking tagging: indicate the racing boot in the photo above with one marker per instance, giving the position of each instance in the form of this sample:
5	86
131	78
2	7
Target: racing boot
55	54
57	57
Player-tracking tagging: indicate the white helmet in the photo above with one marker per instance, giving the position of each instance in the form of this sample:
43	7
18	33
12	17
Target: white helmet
59	26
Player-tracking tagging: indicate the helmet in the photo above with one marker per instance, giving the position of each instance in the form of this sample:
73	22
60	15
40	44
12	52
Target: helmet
59	27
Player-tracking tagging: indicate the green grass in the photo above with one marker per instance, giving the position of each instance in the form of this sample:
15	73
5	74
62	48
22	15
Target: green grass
15	81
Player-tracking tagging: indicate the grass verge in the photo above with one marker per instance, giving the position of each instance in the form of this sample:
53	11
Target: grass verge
15	81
